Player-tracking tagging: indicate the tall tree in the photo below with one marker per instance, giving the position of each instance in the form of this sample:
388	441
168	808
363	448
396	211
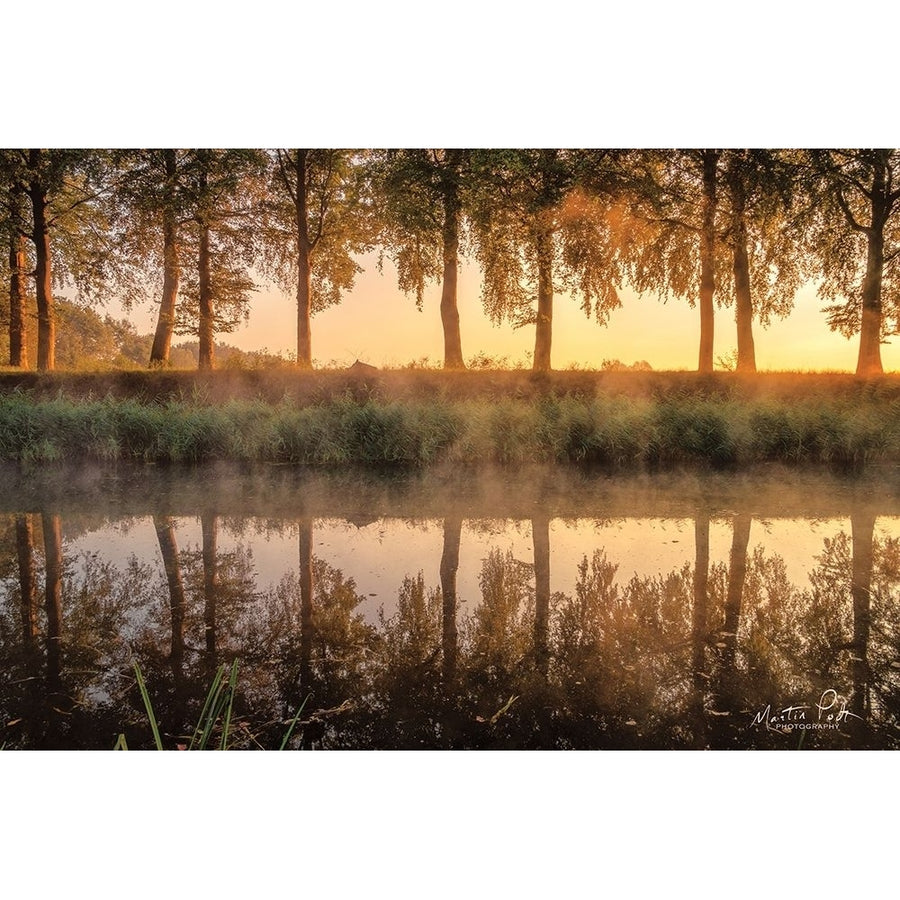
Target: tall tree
767	259
319	216
221	199
422	196
151	205
673	246
64	187
853	230
14	227
536	229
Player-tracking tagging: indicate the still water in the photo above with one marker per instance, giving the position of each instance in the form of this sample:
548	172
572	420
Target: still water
535	608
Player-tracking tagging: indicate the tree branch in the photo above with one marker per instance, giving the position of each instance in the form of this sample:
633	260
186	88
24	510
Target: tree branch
284	177
323	199
669	220
848	213
52	220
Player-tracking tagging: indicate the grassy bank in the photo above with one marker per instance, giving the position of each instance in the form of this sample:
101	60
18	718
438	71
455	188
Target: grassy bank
313	387
720	430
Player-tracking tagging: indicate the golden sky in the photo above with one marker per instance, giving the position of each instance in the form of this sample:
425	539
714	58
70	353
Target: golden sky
379	325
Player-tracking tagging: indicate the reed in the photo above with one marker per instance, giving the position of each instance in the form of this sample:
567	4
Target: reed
678	429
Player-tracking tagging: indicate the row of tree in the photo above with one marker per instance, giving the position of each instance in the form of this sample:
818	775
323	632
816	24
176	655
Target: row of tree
189	228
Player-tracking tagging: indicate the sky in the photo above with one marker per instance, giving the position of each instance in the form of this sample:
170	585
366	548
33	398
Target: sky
379	325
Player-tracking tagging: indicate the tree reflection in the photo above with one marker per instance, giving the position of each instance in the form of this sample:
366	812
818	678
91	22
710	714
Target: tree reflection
699	623
681	658
448	570
862	526
165	533
540	531
210	528
53	571
27	582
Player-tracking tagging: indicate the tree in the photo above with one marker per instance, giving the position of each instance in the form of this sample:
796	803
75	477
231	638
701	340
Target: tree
672	243
221	200
13	224
150	200
536	227
63	187
318	218
757	197
853	228
421	194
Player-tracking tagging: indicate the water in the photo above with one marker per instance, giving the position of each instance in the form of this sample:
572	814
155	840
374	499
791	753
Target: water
535	608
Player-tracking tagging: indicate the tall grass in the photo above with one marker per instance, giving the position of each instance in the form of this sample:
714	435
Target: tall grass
217	707
613	431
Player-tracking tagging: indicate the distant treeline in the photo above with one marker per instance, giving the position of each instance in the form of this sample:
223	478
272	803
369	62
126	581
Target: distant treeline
87	341
187	228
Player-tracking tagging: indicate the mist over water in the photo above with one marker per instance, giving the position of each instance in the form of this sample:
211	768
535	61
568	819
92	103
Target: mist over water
523	609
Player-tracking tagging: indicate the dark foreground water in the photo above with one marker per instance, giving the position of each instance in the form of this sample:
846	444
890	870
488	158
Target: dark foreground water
538	608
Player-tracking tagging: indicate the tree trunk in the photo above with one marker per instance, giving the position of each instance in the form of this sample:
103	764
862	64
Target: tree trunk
544	325
165	324
869	361
449	567
862	526
27	581
540	535
746	360
40	235
53	569
209	525
18	341
304	267
304	308
207	319
710	160
453	357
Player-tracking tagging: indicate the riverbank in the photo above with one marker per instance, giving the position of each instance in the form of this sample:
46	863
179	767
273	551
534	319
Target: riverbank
618	420
276	385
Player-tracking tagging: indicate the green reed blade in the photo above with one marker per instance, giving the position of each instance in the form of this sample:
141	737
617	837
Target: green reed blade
232	685
147	705
210	712
290	730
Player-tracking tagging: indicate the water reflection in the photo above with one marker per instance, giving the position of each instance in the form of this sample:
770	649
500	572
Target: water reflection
562	637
